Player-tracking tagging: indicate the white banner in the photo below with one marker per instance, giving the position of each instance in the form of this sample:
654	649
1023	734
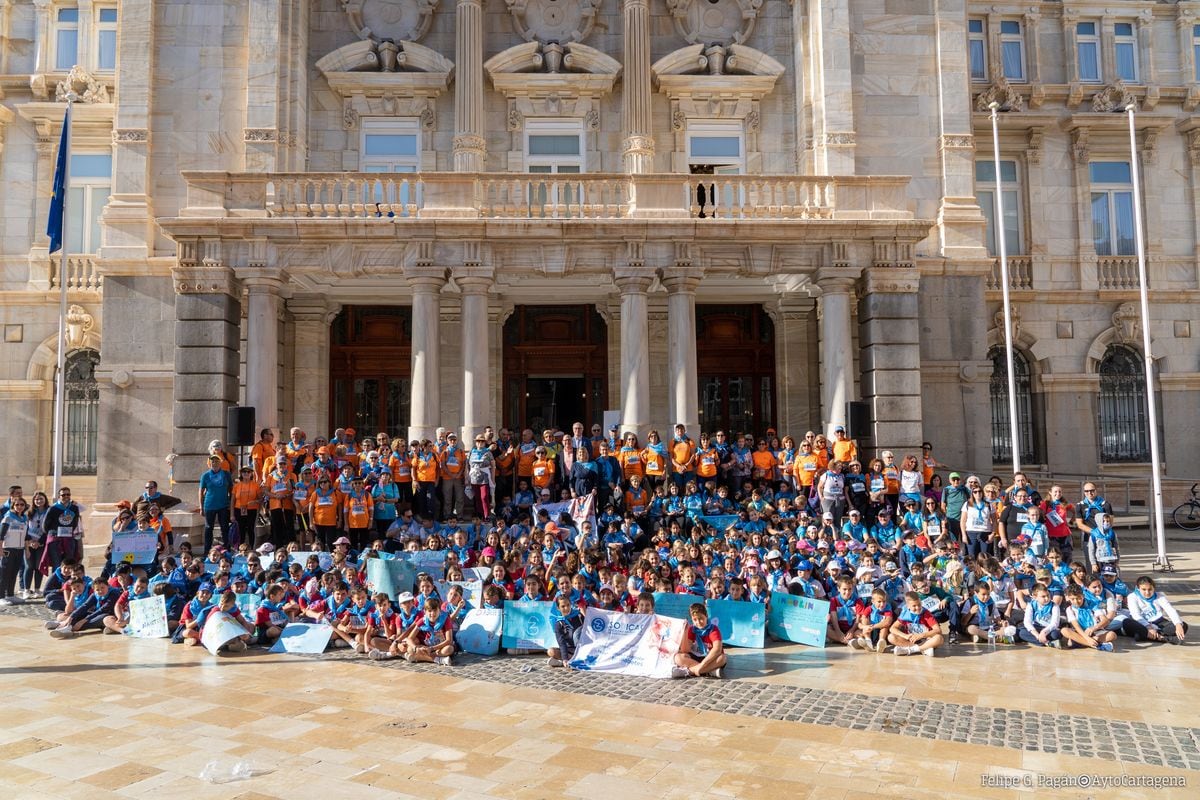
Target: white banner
219	629
581	509
629	644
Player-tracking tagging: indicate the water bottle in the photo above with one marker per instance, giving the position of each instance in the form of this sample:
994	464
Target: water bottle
216	772
992	639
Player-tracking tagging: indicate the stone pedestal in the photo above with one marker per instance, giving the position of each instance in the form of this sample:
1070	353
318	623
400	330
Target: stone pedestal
477	411
889	338
681	348
425	408
262	350
635	356
837	345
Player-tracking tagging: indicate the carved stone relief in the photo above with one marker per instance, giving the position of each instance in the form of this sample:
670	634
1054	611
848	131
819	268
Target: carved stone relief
553	21
395	20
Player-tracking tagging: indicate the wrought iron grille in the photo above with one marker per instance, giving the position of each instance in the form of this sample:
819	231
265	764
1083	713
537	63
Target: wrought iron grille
1001	431
82	413
1124	432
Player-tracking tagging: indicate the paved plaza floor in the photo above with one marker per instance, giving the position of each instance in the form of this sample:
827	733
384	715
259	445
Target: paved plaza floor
100	717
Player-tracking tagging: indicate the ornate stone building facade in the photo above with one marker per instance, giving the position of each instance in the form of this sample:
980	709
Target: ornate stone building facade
396	214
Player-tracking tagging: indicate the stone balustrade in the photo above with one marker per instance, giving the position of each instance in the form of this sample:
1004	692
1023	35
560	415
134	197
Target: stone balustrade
449	195
1117	273
1020	274
81	273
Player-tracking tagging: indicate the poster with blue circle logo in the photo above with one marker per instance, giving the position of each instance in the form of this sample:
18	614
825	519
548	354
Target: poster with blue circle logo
527	626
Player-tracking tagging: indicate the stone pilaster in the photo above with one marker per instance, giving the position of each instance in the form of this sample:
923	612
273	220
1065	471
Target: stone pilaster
889	338
833	90
262	349
207	333
635	354
638	146
470	148
477	393
837	344
683	393
311	317
425	407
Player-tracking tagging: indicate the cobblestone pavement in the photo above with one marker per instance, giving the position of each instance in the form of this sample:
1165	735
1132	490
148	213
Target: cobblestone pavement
1049	733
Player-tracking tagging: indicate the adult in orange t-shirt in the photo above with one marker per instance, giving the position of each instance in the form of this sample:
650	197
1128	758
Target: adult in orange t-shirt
357	508
929	464
542	469
263	449
278	485
763	461
805	469
325	508
630	458
453	462
683	457
425	477
708	460
526	454
247	499
844	448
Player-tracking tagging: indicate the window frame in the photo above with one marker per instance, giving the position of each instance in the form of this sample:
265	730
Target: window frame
1196	53
1130	39
1111	190
389	126
1028	408
1014	187
102	27
58	27
1017	38
87	184
979	38
1094	39
552	164
717	129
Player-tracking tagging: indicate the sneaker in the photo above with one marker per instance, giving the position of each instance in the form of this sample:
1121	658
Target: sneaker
442	661
51	624
1055	643
881	646
63	632
680	672
903	651
927	653
554	662
976	638
953	637
360	648
4	601
341	644
1105	647
375	654
716	673
855	644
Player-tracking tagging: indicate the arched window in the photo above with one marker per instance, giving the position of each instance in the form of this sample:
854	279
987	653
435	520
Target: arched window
1026	427
82	413
1124	432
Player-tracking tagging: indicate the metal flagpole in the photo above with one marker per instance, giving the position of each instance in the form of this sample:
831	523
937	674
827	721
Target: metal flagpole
60	387
998	230
1143	294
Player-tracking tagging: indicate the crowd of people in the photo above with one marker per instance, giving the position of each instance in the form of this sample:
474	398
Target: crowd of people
905	560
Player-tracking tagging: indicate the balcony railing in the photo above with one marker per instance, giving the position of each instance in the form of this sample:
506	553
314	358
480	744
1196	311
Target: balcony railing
1020	274
1117	273
596	196
81	273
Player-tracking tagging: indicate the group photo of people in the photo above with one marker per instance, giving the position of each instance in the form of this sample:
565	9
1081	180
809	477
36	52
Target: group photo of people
910	556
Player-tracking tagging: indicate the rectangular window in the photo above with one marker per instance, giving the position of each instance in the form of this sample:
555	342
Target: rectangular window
1196	53
87	194
985	189
1012	50
106	40
1087	51
715	147
977	49
1112	208
554	146
66	39
1126	50
391	145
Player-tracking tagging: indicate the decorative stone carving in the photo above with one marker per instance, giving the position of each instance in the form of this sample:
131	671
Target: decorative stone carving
1033	145
516	120
1150	146
591	120
349	116
130	135
427	117
79	324
998	323
1002	92
397	20
260	135
839	138
752	120
1193	146
714	22
557	21
1127	324
81	82
1080	148
1114	97
958	141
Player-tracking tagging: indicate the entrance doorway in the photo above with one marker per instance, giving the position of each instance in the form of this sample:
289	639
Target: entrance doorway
735	356
370	357
555	367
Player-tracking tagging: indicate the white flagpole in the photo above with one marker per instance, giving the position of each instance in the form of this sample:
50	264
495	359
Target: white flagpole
60	386
1143	295
998	230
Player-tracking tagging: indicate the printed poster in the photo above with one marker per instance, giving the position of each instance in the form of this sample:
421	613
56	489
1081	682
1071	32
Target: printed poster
742	624
527	625
798	619
134	548
628	644
219	629
303	638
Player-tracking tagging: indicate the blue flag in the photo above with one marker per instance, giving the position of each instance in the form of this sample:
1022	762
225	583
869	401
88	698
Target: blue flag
54	227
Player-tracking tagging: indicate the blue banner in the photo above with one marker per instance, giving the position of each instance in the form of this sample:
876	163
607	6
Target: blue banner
719	522
390	577
431	561
667	604
527	626
798	619
481	630
303	639
742	623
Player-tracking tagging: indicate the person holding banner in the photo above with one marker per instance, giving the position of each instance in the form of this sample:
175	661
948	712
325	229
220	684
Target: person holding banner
116	622
703	652
228	606
567	620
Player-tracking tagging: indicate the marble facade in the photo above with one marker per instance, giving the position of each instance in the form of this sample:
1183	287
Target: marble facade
240	222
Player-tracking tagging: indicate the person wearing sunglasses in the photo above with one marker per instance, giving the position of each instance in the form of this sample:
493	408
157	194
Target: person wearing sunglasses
64	529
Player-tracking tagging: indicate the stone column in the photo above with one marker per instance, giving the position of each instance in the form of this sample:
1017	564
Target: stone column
833	128
638	145
837	345
477	393
469	145
425	407
262	350
635	356
311	316
208	313
681	348
889	338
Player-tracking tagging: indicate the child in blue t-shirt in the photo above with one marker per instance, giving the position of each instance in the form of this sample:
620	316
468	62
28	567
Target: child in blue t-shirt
1035	534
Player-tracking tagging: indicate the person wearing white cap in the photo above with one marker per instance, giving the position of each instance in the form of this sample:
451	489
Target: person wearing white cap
777	574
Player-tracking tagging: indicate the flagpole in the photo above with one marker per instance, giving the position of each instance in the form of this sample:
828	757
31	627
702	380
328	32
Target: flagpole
60	387
1001	241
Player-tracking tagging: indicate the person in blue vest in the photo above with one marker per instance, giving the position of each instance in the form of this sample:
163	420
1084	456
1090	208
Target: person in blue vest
90	612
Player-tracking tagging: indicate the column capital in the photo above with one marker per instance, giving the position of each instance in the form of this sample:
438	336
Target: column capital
264	284
681	281
840	280
312	308
206	279
475	283
426	279
633	284
890	280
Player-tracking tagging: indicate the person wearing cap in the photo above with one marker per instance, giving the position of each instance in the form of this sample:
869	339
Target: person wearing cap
953	498
845	449
452	464
804	583
216	493
885	531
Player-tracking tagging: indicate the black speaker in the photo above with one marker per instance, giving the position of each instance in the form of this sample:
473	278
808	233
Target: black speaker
858	418
239	426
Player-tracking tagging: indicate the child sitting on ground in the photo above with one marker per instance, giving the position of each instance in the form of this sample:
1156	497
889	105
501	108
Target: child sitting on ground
915	631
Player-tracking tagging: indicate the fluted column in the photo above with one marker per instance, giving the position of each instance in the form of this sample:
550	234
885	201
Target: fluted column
262	349
477	411
635	354
469	144
425	406
837	346
681	348
638	146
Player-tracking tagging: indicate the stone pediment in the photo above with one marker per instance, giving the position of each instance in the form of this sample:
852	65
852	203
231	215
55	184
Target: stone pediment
401	69
534	69
715	71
